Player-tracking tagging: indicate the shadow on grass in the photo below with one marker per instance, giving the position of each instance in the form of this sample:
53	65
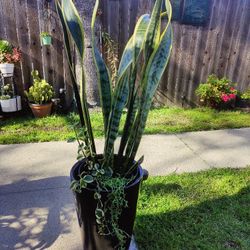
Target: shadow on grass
34	213
221	223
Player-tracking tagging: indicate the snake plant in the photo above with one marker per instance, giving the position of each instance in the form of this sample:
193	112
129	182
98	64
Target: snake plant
141	67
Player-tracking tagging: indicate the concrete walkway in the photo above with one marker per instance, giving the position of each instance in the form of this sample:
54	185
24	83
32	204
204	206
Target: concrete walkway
36	206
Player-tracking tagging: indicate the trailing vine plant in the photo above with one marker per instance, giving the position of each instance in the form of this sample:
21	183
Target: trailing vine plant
141	67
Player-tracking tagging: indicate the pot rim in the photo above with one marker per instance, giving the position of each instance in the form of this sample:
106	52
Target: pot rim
138	178
44	104
7	63
16	97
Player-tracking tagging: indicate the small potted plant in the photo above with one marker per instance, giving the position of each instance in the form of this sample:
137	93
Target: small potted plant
244	99
106	185
217	93
46	38
8	101
40	96
9	55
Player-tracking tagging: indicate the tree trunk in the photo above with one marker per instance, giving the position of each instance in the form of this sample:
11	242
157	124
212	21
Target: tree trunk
85	9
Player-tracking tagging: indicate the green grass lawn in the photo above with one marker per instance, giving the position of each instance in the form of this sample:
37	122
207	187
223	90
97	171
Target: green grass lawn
205	210
163	120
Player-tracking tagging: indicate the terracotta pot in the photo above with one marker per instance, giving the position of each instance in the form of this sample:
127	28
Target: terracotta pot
41	110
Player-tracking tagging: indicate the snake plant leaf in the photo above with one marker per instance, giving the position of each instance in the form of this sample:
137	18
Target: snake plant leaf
169	10
134	45
74	24
153	31
69	58
155	68
121	93
119	101
139	34
102	73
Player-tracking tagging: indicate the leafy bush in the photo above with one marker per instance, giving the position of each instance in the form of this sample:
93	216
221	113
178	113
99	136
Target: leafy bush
215	92
5	47
246	94
41	92
9	54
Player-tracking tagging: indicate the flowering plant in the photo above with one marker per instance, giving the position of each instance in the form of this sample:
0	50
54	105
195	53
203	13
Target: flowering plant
9	54
227	97
216	92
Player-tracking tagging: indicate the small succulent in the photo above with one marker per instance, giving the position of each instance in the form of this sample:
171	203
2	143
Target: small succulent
40	92
44	34
6	92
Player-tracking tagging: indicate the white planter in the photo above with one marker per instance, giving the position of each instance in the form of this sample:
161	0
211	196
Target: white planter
11	105
7	69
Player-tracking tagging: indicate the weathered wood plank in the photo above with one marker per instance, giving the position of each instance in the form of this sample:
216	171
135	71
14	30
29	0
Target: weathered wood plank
23	41
35	45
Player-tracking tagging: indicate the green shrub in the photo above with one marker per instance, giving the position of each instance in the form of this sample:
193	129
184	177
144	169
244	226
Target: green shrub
214	92
246	94
5	47
41	92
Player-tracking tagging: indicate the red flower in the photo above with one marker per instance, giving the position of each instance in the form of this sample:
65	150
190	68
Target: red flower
225	98
232	96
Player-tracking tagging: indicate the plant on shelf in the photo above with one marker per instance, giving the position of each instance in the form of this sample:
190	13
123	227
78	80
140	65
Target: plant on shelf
217	93
46	38
106	185
6	92
9	55
40	96
8	101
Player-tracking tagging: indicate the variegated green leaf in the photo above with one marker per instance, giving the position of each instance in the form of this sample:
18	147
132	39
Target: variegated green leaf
119	101
102	73
129	58
68	53
155	68
74	24
135	43
139	34
154	29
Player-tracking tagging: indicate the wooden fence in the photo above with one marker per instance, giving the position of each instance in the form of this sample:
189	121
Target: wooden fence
218	44
21	22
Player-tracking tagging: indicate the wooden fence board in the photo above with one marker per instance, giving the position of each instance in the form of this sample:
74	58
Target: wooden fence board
23	42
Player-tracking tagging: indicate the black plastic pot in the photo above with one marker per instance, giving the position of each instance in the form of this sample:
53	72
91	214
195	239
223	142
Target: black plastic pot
243	103
86	205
